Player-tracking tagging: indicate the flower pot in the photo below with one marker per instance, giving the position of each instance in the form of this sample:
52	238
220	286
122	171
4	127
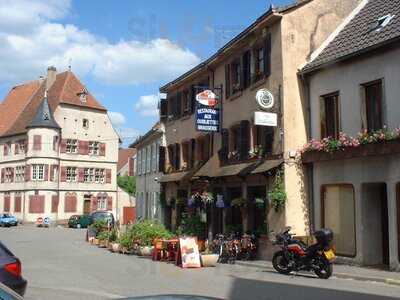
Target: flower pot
146	251
209	260
115	247
95	241
102	244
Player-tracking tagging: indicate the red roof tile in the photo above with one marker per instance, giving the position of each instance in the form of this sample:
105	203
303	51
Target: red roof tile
123	157
20	105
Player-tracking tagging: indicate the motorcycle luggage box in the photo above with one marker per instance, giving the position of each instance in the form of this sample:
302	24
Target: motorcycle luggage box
324	236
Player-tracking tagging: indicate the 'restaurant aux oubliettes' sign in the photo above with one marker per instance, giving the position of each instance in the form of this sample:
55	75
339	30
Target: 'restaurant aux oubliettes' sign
207	114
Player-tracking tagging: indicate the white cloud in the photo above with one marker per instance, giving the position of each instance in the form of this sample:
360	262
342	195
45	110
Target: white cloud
147	106
31	39
117	119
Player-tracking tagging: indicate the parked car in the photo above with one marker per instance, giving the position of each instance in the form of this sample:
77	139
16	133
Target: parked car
79	221
102	215
9	294
10	271
7	220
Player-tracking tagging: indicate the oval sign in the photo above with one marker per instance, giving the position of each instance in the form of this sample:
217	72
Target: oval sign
207	98
265	99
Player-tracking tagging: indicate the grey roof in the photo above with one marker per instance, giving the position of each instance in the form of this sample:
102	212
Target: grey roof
357	37
44	117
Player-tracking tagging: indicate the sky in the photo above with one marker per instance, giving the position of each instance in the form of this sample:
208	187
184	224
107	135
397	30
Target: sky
123	51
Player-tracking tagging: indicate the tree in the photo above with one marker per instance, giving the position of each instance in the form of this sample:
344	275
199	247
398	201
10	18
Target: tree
127	183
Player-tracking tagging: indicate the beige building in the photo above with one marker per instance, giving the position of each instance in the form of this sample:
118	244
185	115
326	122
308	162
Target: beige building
58	150
241	160
353	86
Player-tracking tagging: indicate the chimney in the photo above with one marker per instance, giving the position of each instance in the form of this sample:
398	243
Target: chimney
51	76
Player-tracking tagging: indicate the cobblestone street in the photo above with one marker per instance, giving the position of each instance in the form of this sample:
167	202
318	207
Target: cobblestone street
58	263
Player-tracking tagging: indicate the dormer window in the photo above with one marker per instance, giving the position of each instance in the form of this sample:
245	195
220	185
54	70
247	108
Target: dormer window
381	22
83	95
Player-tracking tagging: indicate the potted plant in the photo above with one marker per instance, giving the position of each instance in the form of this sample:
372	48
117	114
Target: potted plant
208	259
112	239
277	195
125	242
103	239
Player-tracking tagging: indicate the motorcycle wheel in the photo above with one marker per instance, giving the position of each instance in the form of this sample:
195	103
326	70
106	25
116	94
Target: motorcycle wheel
280	263
324	269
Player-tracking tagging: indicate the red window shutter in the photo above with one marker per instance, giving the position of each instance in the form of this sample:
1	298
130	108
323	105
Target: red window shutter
81	174
63	174
5	149
54	203
46	172
12	174
63	146
108	175
37	142
102	149
36	204
81	147
51	173
2	175
27	173
26	145
17	204
6	203
55	142
93	203
70	204
109	203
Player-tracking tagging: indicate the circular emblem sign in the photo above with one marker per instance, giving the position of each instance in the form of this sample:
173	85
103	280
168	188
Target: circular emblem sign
265	99
207	98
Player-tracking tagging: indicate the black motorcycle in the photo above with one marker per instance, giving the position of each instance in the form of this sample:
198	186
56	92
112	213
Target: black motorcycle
296	256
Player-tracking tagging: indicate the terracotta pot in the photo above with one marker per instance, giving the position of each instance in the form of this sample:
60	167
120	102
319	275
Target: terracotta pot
95	241
102	244
209	260
146	251
115	247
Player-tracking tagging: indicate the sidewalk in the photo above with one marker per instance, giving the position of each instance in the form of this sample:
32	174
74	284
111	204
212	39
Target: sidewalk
341	271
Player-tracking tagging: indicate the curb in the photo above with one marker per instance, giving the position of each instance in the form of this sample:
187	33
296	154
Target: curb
390	281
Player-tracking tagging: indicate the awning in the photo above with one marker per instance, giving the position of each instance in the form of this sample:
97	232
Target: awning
267	165
212	168
176	177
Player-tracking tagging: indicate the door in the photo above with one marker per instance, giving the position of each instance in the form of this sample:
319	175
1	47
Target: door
86	205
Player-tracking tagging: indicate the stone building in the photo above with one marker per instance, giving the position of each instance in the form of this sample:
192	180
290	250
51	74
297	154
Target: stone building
148	173
58	150
126	162
242	159
352	87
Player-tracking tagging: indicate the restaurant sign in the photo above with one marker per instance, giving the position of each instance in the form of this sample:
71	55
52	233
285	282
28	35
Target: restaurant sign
207	115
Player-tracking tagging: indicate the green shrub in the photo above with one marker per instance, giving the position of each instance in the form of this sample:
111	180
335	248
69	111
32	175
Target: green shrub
146	231
126	240
113	236
192	226
98	225
239	202
277	196
103	235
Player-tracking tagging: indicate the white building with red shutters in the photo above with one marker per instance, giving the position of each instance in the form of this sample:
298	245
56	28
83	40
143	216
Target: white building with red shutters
58	150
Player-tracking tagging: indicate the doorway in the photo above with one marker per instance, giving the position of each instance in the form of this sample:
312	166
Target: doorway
376	224
86	204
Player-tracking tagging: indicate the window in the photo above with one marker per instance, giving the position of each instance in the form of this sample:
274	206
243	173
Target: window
38	172
20	174
94	148
236	77
9	175
374	105
259	63
154	157
7	148
144	161
101	202
186	102
72	146
99	176
330	116
381	22
55	173
88	175
246	69
148	164
263	140
338	207
85	123
21	145
185	154
71	174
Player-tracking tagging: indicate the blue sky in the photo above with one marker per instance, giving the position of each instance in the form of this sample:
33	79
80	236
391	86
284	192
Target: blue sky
122	50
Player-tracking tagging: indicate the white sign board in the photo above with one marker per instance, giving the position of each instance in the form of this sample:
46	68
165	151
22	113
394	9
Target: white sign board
265	118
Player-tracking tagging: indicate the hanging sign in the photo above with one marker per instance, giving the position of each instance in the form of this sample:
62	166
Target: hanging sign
189	252
207	115
264	99
265	118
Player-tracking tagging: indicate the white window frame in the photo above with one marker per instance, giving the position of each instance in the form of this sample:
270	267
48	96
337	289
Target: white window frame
38	172
94	148
8	175
99	176
55	173
72	146
102	202
19	173
71	174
